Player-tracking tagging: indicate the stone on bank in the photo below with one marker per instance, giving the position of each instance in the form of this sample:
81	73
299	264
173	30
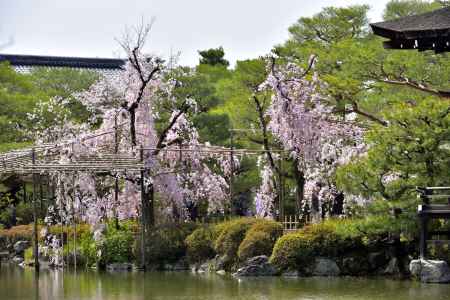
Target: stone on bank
430	271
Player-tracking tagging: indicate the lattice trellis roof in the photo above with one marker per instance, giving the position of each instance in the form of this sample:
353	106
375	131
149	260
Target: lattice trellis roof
48	158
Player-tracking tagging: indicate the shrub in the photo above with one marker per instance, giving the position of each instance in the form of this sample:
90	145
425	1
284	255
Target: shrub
24	213
88	248
117	246
28	255
291	251
165	244
68	230
329	239
260	239
200	244
231	236
17	233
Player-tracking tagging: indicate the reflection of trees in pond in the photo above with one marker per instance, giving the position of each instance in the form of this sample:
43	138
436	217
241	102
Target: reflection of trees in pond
17	283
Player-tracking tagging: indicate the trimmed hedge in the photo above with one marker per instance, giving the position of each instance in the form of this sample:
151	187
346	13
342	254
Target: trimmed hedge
328	239
260	239
166	244
200	243
231	237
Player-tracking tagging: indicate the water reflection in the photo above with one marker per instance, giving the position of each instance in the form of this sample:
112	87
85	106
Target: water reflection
16	283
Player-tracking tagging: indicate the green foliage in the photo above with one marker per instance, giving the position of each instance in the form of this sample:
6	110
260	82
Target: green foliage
260	239
335	238
117	246
331	24
24	213
297	250
17	98
213	56
88	248
200	243
229	240
166	243
28	255
414	150
403	8
19	94
65	82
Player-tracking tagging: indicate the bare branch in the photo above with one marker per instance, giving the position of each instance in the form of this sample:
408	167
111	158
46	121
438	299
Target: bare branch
160	145
418	86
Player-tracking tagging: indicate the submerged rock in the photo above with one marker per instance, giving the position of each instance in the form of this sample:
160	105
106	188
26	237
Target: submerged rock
21	246
355	265
119	267
377	260
17	260
290	273
221	272
180	265
325	267
212	265
392	268
4	255
430	271
256	266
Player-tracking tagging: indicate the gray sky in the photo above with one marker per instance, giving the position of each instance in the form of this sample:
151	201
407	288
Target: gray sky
245	28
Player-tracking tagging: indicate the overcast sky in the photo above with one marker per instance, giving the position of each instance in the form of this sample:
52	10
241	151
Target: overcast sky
245	28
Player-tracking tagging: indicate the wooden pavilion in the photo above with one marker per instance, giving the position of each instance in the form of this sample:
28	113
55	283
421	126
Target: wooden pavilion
428	31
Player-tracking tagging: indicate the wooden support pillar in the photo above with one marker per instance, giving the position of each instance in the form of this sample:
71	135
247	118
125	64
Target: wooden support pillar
143	213
116	179
423	236
280	205
232	167
74	224
35	233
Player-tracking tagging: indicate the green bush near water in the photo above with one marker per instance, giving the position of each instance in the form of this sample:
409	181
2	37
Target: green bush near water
118	244
200	243
335	238
166	244
233	233
260	239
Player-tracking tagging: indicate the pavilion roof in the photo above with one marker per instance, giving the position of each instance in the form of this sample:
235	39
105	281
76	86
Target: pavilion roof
427	31
24	61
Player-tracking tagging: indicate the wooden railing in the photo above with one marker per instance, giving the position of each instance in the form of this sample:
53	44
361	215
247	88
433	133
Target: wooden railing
293	223
428	210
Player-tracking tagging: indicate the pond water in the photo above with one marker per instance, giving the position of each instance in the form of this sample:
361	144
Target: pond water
17	283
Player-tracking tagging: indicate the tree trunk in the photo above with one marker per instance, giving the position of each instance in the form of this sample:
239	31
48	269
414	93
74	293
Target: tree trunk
133	127
300	190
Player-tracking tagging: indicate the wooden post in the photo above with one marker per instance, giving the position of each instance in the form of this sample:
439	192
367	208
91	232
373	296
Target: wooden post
423	236
143	214
74	226
35	233
231	166
116	181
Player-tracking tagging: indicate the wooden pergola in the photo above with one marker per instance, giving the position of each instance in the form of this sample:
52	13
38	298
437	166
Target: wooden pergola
48	159
428	31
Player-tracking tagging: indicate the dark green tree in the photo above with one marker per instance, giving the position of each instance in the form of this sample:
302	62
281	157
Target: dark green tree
213	57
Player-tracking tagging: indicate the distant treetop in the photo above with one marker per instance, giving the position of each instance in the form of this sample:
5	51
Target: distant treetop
213	56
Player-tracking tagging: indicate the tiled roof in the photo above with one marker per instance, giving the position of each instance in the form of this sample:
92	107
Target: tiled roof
58	61
428	31
431	24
